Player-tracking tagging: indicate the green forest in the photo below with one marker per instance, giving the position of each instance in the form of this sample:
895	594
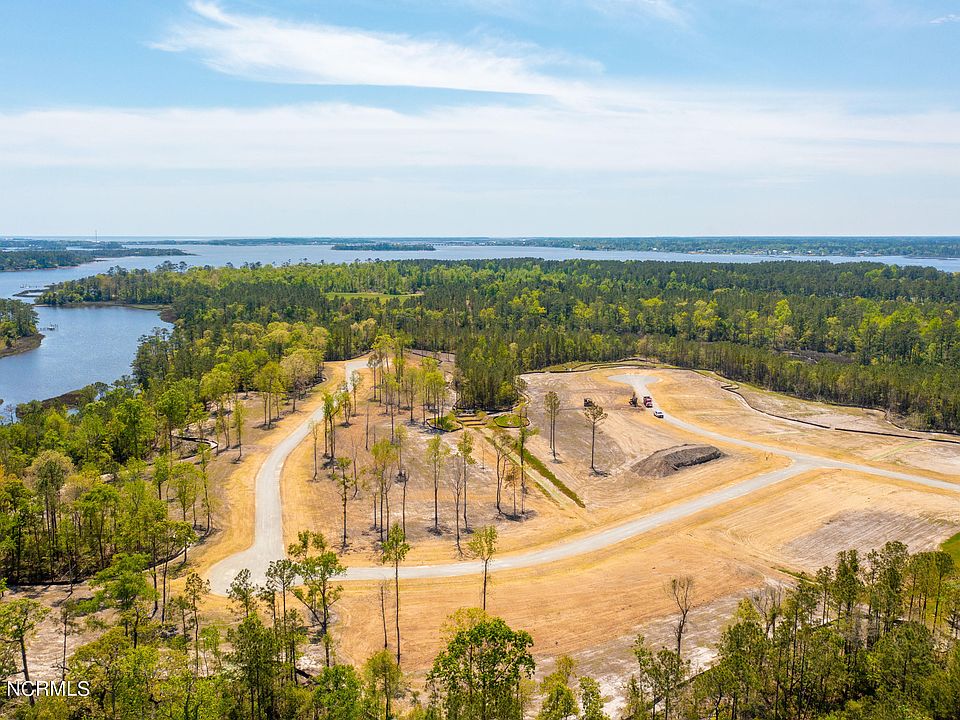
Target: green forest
45	256
861	334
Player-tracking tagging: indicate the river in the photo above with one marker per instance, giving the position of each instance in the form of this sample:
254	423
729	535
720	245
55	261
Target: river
92	344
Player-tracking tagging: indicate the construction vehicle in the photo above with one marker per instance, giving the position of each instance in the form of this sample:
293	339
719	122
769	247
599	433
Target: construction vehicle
633	400
587	402
647	401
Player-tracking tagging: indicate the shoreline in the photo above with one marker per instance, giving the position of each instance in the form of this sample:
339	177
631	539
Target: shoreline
179	253
29	343
163	310
23	344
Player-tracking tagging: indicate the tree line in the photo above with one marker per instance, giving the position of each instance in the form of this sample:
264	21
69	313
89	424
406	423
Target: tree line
923	247
884	336
126	472
44	256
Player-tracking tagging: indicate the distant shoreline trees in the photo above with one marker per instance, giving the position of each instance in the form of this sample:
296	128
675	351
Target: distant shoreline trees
856	333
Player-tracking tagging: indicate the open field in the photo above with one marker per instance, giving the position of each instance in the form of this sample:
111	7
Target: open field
784	498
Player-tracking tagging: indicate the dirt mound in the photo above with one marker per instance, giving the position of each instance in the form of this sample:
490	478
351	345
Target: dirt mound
668	461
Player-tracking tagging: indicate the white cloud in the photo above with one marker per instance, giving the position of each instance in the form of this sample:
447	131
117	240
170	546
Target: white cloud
656	134
951	18
264	48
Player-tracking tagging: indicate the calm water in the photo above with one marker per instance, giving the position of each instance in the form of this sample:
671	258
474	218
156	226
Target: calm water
98	343
90	344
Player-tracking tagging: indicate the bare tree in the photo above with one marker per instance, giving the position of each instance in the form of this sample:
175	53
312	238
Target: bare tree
399	436
502	451
596	415
511	479
524	434
315	433
384	584
465	460
437	452
384	455
343	487
456	483
681	589
552	402
356	380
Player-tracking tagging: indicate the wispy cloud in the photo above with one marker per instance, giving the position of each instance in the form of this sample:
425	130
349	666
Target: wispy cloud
264	48
665	10
666	134
943	20
570	126
670	11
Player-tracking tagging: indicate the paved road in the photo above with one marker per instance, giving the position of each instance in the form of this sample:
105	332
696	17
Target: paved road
268	515
259	555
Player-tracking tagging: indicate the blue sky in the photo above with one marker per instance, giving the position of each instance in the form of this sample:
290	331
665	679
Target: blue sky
496	117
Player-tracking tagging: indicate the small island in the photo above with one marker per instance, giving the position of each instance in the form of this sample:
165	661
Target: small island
45	255
383	246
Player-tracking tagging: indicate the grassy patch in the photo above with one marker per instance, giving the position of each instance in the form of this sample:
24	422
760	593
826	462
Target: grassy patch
448	423
792	573
510	420
547	495
952	548
537	464
537	485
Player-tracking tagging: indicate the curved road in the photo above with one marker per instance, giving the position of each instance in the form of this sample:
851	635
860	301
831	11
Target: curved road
268	513
258	556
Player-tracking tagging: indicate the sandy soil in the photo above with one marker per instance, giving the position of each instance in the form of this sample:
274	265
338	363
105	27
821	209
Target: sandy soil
234	482
702	401
836	416
593	604
615	495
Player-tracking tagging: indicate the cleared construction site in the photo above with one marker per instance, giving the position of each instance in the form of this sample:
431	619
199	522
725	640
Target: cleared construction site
697	481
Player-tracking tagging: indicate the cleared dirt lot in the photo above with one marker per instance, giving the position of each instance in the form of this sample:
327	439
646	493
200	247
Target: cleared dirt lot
593	605
614	494
602	600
